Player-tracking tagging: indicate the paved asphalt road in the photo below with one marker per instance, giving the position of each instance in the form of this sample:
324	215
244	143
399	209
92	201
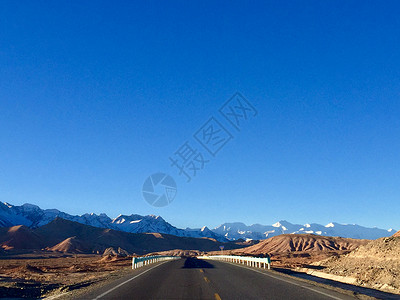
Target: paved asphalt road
202	279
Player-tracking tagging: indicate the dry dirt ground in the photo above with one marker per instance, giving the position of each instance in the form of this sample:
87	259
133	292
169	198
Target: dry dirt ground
32	276
375	265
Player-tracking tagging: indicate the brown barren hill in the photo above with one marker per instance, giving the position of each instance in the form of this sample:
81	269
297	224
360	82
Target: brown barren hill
289	243
397	234
19	237
299	250
70	245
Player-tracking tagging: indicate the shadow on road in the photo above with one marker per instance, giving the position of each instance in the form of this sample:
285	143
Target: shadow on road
194	263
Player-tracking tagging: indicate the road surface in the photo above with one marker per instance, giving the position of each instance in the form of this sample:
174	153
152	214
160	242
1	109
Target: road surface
191	278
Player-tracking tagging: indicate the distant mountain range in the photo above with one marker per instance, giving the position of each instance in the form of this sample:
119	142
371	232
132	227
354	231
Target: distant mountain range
238	230
33	216
66	236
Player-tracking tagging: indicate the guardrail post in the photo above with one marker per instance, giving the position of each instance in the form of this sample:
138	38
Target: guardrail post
133	262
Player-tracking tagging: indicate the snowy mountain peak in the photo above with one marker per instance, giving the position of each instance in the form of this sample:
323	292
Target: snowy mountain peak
277	224
204	228
120	221
120	215
5	206
283	224
330	225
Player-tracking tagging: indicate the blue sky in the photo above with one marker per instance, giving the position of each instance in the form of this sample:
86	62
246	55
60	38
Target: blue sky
97	95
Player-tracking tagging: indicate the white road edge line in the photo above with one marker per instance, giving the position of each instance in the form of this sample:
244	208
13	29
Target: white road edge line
281	279
54	296
121	284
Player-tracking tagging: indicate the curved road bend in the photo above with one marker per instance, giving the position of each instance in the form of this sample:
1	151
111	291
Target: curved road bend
190	278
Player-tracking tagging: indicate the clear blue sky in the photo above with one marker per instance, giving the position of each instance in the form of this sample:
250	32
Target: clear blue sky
96	95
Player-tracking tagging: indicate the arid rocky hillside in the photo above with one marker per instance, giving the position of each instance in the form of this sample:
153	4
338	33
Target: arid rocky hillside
71	245
299	250
19	237
290	243
375	265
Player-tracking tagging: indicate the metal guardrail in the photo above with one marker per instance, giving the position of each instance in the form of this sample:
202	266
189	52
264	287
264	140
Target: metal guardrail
257	262
138	262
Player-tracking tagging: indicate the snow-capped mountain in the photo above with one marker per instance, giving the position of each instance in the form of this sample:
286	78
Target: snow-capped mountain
33	216
234	231
152	223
